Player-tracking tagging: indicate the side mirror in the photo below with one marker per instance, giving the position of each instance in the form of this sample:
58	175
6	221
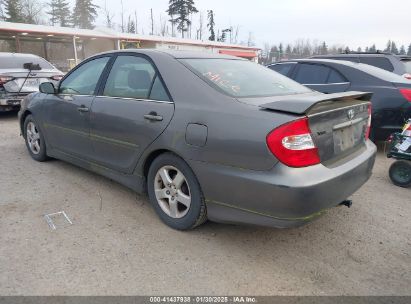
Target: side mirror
31	66
47	88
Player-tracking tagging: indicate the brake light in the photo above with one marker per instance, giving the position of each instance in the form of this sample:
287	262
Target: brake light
293	145
368	129
5	79
56	77
406	93
407	76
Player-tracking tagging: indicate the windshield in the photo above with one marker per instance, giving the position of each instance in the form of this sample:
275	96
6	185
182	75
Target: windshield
241	78
16	62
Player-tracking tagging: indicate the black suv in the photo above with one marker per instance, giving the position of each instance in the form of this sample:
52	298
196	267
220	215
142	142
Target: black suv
397	64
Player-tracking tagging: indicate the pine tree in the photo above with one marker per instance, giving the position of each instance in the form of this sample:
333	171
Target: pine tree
402	50
53	12
409	50
2	17
211	24
63	12
388	47
13	11
131	27
288	50
373	49
324	49
394	48
180	11
84	14
281	50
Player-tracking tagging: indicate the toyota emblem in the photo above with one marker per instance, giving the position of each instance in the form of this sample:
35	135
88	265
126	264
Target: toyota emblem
350	114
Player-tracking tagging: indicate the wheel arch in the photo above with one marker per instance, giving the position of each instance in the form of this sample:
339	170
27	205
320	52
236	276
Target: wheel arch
153	155
23	119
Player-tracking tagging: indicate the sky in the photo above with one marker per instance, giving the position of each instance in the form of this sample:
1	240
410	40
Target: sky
338	22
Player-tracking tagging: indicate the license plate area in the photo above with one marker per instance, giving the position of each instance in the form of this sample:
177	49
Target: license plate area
347	137
32	83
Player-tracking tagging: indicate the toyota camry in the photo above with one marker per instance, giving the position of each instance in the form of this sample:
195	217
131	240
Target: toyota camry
206	136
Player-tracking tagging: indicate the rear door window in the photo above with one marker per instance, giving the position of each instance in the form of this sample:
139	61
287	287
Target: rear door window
282	68
134	77
379	62
312	74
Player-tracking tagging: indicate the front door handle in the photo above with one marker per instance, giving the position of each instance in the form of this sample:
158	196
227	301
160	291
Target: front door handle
153	116
82	109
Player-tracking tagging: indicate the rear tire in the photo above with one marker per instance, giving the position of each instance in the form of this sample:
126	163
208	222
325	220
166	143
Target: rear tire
175	193
400	173
34	139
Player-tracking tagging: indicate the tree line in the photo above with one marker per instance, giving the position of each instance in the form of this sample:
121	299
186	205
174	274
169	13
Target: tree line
83	15
179	23
306	48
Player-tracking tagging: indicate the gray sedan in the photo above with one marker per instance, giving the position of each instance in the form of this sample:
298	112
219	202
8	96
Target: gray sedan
206	136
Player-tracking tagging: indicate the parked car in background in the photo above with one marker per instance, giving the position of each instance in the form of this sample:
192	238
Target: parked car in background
391	100
16	81
227	140
400	65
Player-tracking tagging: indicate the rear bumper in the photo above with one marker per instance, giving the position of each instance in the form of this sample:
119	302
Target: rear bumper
284	196
11	100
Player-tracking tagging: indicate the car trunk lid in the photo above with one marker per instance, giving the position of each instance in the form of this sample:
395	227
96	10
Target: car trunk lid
338	122
19	83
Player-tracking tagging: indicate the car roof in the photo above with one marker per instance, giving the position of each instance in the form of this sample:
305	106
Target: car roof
176	54
7	55
333	61
365	68
355	55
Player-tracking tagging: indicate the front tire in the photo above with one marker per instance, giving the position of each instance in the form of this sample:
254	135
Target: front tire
175	193
400	173
34	139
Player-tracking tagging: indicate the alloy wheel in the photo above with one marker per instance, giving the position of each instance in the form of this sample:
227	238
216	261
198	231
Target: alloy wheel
33	138
172	191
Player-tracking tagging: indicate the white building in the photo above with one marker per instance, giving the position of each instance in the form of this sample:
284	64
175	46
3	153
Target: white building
65	46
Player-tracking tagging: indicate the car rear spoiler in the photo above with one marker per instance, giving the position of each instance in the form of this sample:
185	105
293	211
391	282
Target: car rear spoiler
304	104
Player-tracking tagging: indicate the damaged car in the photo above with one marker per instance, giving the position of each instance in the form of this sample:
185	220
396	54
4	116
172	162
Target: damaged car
22	74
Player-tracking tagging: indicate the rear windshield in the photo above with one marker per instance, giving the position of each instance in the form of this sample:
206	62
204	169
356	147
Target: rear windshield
242	78
380	73
16	62
407	64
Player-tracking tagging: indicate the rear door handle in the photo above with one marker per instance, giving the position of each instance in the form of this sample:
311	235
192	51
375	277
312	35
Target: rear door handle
82	109
153	116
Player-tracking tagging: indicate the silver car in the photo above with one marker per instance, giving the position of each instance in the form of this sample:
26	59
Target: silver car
18	78
206	136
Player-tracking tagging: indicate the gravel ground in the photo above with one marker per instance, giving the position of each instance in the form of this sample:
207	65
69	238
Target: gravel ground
118	246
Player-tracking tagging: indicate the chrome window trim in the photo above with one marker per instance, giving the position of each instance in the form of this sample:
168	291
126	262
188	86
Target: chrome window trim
136	99
280	63
321	84
71	95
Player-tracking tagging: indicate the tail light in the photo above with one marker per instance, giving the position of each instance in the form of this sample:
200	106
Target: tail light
56	77
368	129
5	79
293	145
406	93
